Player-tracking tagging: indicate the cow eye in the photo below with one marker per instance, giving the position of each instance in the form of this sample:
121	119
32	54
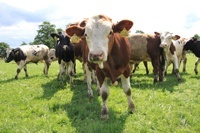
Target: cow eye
111	32
85	34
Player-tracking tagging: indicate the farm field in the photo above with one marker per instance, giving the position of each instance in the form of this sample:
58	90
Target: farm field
41	104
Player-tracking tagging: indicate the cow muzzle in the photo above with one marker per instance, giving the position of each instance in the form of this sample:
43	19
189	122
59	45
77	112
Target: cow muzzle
96	57
163	45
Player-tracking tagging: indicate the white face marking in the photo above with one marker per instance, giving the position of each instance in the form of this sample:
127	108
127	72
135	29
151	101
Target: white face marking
8	51
97	31
166	39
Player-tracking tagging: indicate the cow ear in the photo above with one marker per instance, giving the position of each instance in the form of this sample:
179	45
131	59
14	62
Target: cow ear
79	31
176	37
157	33
123	24
16	51
54	35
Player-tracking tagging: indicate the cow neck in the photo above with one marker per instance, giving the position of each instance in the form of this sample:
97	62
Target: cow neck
118	59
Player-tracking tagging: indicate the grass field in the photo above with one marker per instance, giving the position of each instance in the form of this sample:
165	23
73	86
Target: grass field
40	104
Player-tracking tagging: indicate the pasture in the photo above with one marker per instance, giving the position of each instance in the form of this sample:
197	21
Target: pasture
43	104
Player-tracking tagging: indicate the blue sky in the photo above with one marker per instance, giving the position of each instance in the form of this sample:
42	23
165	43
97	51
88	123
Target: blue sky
19	19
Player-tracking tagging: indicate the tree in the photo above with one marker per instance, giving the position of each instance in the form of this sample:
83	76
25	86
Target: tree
43	36
3	47
197	36
139	31
23	43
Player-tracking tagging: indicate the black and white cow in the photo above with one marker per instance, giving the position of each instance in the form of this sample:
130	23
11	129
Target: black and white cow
28	53
64	52
194	45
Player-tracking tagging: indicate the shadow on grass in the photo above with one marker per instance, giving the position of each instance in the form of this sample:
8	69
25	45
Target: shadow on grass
84	113
139	82
86	117
19	79
51	87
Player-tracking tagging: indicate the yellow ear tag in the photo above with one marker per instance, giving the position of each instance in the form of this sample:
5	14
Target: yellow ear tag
124	32
55	37
75	39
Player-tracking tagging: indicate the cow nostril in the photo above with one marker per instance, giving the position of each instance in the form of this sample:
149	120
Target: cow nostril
96	56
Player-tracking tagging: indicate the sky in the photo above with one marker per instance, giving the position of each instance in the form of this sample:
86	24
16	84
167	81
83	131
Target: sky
19	19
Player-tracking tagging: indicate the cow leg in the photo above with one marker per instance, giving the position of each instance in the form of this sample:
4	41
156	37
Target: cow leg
104	90
62	70
126	88
155	65
146	67
20	66
196	65
168	62
25	70
184	58
88	80
184	64
135	67
176	67
70	71
46	67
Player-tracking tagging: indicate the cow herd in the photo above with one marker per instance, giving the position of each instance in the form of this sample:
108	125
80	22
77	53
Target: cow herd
107	52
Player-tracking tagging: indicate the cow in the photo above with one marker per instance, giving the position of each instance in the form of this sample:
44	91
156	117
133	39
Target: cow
64	52
109	53
28	53
171	51
194	45
79	49
146	47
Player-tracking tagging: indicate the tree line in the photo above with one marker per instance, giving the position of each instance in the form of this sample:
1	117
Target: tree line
43	37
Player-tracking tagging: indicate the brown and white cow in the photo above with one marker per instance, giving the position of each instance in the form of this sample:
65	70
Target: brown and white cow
146	47
108	52
170	51
28	53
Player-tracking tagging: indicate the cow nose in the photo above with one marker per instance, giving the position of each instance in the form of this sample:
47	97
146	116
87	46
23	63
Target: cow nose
163	45
94	56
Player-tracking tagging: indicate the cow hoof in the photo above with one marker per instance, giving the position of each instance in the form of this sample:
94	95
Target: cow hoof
196	72
179	80
90	96
16	77
155	81
104	116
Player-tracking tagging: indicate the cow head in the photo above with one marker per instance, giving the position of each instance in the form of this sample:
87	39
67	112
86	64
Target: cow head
62	40
166	38
11	54
189	44
99	34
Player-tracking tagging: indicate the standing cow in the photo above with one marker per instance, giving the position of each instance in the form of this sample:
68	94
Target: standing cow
194	45
28	53
64	52
146	47
109	52
170	51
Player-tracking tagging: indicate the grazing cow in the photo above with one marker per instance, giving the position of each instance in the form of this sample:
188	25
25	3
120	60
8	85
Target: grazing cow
28	53
65	54
170	51
108	52
194	45
146	47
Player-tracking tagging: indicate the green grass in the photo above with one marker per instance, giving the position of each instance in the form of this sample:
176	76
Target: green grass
43	104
